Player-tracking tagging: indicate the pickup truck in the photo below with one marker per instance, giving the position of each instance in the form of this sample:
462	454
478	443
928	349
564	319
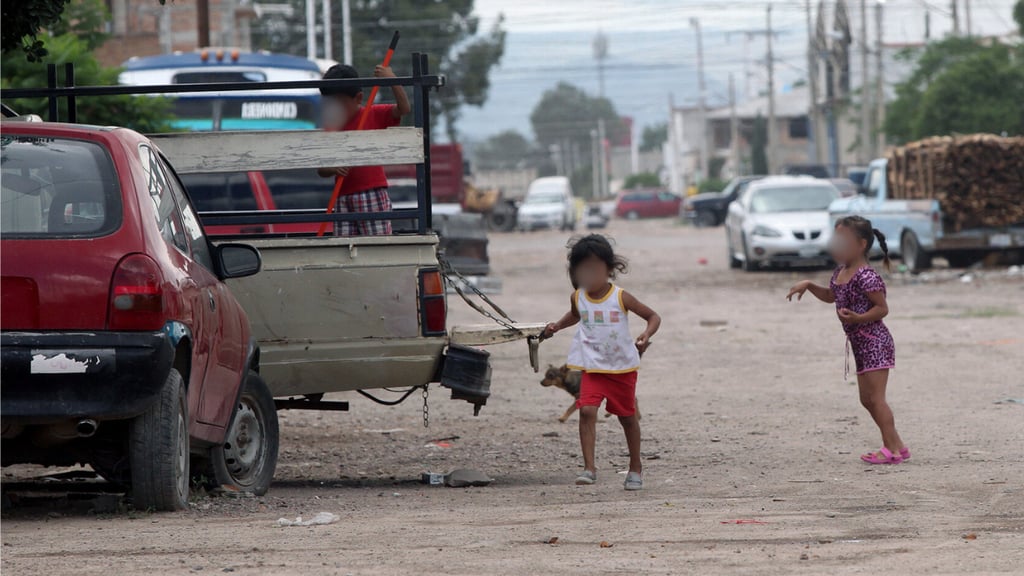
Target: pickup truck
338	314
919	229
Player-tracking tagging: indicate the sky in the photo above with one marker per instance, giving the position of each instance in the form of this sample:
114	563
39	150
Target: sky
652	49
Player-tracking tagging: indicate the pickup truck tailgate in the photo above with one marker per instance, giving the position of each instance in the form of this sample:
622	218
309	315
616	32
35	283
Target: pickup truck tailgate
340	314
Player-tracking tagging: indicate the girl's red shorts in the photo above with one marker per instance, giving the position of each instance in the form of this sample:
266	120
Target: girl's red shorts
618	389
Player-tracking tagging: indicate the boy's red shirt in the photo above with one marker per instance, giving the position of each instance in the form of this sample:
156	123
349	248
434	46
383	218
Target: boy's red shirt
363	178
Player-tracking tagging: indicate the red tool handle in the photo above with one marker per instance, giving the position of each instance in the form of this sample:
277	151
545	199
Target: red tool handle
362	122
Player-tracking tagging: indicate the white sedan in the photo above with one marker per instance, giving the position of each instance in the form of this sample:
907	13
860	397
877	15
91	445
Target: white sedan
781	220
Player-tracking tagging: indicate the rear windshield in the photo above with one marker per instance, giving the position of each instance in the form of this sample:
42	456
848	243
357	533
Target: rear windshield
219	192
301	189
638	197
793	199
57	187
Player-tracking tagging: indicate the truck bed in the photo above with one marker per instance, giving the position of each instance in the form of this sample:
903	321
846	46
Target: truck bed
337	314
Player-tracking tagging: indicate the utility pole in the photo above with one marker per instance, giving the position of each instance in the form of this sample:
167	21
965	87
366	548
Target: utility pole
771	95
967	14
346	30
595	169
705	161
956	17
634	147
311	29
880	85
674	171
600	54
328	32
864	152
812	81
602	159
734	130
203	22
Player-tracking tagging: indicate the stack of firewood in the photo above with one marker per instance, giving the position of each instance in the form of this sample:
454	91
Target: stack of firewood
977	179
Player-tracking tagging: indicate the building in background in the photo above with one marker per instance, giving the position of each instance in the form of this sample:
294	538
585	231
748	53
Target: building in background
145	28
791	130
681	150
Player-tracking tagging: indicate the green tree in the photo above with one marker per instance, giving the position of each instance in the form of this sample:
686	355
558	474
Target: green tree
959	85
566	112
75	44
564	119
447	32
642	180
1018	15
759	145
653	137
505	151
22	21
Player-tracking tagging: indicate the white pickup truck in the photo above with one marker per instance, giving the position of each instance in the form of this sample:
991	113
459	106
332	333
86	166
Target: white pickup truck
919	229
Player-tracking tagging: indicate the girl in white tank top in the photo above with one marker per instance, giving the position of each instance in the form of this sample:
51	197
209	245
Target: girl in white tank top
604	349
602	343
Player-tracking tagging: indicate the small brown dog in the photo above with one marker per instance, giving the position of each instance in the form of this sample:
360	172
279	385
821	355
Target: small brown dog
569	380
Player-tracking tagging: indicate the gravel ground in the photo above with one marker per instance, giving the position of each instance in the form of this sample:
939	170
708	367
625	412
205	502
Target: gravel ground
750	436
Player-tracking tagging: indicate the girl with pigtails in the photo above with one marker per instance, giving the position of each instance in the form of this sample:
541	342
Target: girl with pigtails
859	295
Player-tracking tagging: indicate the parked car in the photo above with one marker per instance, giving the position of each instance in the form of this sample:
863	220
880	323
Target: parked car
122	348
709	209
781	220
549	203
815	170
634	204
595	217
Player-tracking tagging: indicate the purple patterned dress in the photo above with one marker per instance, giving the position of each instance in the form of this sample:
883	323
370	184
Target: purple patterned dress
872	344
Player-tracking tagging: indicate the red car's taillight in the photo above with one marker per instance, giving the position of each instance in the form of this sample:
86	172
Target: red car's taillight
136	295
433	306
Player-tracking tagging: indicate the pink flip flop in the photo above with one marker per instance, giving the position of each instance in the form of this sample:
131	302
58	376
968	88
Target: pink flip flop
883	456
905	453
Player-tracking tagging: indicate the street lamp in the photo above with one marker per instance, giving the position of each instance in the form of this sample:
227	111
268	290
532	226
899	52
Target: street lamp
704	160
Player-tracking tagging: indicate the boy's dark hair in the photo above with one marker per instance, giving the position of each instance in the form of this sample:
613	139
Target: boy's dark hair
341	72
862	228
594	245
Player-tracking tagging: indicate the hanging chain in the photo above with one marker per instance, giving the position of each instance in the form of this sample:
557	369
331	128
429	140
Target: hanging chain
458	279
426	408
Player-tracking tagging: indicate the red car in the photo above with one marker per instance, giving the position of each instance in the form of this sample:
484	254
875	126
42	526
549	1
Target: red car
120	345
634	204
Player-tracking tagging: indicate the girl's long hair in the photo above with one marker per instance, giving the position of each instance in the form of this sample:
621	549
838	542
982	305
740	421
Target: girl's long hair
580	248
862	228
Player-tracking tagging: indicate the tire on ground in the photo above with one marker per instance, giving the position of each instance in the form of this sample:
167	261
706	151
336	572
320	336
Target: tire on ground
248	457
159	450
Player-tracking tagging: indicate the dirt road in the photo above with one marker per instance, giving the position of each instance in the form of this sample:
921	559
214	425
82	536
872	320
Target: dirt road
751	437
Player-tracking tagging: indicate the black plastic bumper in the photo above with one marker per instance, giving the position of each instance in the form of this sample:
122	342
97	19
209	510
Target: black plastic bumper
52	376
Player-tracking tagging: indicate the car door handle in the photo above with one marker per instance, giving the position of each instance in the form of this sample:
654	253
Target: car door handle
213	303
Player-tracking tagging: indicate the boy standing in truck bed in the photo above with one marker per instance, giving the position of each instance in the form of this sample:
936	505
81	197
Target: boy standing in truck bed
365	188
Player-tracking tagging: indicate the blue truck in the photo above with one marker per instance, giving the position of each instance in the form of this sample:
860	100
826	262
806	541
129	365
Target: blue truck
924	212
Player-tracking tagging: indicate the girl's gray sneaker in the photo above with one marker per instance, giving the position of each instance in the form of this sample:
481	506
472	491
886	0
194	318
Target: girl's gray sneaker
586	478
633	482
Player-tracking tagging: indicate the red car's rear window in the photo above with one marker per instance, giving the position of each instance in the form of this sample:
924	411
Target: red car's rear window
57	188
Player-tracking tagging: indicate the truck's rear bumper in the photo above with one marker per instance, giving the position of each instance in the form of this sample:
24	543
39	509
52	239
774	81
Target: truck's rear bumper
297	368
983	239
52	376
